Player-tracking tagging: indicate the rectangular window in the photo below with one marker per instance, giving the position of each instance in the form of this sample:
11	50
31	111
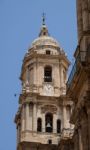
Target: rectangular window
48	74
48	52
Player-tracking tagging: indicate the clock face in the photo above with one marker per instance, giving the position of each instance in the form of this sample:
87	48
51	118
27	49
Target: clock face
48	89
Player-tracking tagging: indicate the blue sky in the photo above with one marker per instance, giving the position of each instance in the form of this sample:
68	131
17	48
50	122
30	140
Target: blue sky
20	22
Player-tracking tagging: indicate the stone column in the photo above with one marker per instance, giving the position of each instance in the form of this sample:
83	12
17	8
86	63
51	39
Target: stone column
23	118
68	114
35	72
54	123
34	118
27	117
64	116
61	76
43	122
30	115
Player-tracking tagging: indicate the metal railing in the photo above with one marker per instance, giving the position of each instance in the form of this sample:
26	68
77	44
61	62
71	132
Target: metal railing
53	131
73	71
81	58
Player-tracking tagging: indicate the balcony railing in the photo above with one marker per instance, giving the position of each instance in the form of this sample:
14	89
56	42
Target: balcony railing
47	79
81	58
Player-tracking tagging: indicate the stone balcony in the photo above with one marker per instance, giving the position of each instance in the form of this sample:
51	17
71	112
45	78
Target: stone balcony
82	61
40	137
67	133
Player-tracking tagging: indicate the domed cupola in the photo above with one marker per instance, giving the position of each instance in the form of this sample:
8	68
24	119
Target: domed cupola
44	40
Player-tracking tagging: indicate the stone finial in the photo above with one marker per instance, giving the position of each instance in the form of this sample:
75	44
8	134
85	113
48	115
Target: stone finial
44	30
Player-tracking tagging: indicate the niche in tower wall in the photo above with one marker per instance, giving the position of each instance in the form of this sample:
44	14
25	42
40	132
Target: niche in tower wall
58	126
49	122
39	125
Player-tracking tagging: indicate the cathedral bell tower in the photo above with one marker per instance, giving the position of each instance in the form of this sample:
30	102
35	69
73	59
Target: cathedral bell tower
40	118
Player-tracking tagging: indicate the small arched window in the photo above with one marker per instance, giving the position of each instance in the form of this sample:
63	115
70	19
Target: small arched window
48	52
49	122
58	126
48	74
39	125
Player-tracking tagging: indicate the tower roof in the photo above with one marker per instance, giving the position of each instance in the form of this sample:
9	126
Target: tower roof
44	37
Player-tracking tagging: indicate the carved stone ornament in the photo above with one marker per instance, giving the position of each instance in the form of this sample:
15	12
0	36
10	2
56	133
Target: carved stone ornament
49	108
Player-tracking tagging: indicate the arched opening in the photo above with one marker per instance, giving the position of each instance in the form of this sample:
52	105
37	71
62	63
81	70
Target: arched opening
48	74
39	125
49	141
58	126
49	122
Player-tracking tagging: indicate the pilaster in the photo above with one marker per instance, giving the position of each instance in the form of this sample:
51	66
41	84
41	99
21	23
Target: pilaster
61	75
34	118
27	117
35	72
43	122
54	123
23	118
30	115
64	116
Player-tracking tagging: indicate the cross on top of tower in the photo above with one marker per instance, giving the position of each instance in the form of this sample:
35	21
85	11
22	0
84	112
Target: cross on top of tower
44	30
43	19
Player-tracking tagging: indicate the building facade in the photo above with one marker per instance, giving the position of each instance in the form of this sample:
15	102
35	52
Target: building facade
78	85
44	112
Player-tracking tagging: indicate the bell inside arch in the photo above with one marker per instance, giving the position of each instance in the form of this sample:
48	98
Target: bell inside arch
48	125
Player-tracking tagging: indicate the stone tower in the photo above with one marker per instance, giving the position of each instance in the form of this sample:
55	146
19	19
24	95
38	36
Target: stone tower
44	113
